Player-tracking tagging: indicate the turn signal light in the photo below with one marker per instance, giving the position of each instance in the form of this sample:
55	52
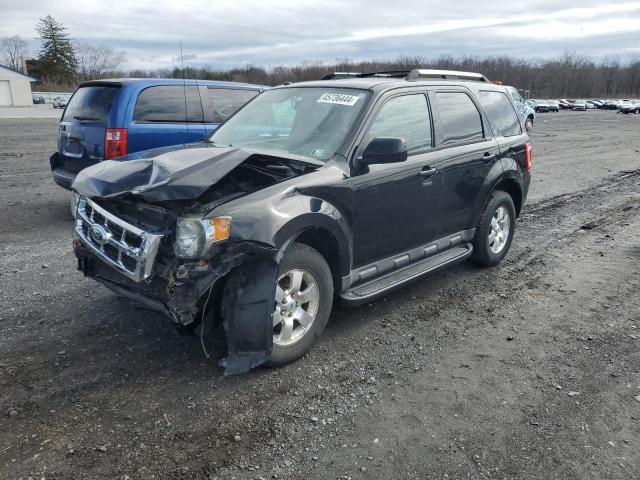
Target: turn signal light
528	157
115	143
221	228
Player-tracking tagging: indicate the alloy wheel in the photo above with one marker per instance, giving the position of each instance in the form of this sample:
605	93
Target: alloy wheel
297	302
500	227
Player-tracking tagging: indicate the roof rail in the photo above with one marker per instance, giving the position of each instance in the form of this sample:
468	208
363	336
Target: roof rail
419	73
385	73
334	75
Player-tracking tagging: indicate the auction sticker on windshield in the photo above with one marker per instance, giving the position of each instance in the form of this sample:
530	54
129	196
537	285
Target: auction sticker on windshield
338	99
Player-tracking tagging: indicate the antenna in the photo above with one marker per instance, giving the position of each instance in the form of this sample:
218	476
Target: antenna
184	89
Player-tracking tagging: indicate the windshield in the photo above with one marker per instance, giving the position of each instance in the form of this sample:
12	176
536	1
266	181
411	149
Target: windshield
304	121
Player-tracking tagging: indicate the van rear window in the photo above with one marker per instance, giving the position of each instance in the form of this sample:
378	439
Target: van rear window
91	104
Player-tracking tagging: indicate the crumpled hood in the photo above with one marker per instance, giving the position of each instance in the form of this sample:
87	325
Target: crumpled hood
163	174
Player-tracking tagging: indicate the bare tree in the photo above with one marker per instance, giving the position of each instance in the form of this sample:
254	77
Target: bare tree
12	51
96	61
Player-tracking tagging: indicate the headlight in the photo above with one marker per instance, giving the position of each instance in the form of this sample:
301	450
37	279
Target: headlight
195	236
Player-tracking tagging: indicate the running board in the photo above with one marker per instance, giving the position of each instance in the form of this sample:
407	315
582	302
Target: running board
366	291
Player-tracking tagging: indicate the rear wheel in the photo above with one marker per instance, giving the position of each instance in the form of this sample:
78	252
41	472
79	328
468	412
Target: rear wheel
528	124
495	230
304	297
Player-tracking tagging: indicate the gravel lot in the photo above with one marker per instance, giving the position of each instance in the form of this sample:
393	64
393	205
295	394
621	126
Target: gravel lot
529	370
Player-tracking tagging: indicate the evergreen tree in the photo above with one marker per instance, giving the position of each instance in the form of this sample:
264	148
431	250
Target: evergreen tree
56	58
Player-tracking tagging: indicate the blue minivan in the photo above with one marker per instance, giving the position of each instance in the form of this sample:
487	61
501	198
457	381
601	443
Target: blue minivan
105	119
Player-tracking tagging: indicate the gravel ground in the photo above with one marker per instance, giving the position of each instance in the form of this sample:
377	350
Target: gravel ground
528	370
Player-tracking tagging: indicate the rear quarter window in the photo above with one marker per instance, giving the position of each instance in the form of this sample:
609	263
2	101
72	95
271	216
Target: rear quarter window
91	104
500	112
169	104
227	101
460	120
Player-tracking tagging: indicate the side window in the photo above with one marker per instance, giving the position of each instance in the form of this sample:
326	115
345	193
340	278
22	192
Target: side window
460	120
502	117
227	101
404	117
169	104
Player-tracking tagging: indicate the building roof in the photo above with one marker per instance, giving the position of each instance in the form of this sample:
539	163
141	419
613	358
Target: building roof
31	79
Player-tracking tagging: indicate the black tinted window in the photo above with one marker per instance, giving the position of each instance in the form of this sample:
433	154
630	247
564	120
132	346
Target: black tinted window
404	117
226	101
459	118
91	104
502	117
169	103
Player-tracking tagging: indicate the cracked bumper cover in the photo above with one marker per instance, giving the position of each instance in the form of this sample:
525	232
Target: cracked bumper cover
183	293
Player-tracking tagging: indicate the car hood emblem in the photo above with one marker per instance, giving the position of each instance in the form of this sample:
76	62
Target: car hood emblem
99	234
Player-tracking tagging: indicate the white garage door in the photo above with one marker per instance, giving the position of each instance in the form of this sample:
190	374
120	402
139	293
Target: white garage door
5	93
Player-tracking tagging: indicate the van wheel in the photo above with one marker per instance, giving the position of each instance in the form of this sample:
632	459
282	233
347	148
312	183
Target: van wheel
304	297
495	230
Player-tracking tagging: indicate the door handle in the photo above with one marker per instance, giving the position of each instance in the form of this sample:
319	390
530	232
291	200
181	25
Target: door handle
428	172
488	157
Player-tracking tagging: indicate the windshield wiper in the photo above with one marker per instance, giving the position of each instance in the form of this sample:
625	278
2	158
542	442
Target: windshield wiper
81	118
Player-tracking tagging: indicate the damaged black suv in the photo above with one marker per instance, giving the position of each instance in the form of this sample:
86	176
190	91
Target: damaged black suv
343	188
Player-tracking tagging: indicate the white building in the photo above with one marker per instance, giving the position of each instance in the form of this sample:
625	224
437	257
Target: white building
15	88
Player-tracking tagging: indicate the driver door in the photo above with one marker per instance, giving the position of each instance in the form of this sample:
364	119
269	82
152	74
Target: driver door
396	204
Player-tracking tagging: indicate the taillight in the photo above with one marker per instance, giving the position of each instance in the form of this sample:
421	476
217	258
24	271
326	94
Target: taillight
527	157
115	143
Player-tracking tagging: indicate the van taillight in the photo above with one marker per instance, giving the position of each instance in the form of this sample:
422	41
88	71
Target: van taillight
115	143
527	157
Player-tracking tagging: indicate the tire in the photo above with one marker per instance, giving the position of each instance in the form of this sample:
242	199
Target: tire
300	258
528	124
485	250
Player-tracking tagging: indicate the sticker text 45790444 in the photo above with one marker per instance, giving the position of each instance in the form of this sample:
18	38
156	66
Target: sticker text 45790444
339	99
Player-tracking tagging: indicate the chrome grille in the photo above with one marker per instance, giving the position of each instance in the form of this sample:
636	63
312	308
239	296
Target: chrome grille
123	246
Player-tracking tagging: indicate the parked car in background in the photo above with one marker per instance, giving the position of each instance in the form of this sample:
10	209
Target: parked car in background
553	106
565	104
37	99
361	186
580	105
596	103
59	102
590	105
106	119
624	104
539	105
633	107
610	105
526	111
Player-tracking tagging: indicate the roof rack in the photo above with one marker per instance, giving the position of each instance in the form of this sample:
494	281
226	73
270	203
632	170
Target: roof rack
412	75
385	73
334	75
419	73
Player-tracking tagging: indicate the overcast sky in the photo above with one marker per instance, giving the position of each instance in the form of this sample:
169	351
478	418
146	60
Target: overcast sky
225	33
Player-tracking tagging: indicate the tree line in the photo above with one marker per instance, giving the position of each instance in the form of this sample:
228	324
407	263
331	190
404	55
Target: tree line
61	63
568	76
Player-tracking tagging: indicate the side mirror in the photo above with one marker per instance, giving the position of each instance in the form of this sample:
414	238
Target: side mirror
384	150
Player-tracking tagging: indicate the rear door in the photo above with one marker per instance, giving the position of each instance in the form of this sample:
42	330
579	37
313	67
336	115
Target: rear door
467	151
505	125
166	115
83	124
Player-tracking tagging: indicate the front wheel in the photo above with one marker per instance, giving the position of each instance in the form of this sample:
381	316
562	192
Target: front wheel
495	230
304	297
